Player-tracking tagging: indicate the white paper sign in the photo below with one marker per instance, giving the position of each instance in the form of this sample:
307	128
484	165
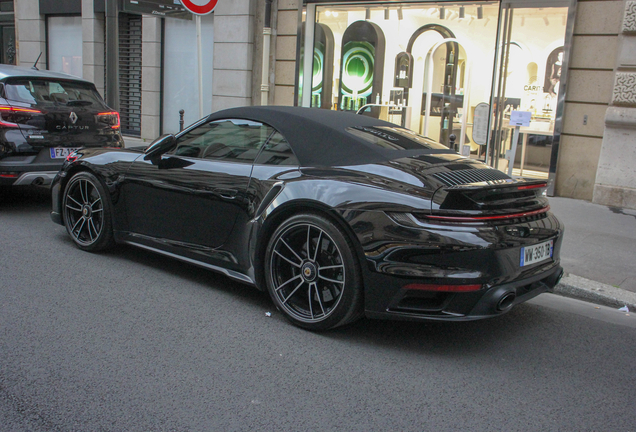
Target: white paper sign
520	118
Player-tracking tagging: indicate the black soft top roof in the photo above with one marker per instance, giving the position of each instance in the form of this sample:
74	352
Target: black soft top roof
318	137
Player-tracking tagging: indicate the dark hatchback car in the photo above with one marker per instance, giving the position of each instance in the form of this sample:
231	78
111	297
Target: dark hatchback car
336	215
45	116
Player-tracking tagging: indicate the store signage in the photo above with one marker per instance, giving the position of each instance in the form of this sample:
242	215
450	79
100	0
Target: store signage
520	118
199	7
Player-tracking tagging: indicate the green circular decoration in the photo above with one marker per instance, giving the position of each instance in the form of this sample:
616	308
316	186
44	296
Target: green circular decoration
319	58
357	68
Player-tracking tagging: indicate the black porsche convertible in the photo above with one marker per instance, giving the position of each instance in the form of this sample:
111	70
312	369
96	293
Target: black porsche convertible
336	215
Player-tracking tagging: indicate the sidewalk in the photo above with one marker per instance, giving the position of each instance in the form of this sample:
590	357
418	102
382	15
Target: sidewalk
598	252
135	142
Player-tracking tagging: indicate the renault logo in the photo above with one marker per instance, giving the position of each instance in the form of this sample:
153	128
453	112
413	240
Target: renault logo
73	117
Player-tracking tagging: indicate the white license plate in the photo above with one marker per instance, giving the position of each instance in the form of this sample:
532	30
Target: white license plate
61	152
535	253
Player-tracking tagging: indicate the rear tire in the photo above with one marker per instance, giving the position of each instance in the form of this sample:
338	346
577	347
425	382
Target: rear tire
87	213
312	273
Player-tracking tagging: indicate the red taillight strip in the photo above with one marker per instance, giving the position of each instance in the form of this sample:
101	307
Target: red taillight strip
116	114
443	288
487	218
537	186
27	110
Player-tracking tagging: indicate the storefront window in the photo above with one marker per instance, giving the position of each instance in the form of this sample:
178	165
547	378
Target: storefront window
64	41
394	60
532	80
450	71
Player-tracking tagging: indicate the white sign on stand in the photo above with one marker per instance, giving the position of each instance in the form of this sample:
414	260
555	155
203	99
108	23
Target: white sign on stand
520	118
480	123
517	119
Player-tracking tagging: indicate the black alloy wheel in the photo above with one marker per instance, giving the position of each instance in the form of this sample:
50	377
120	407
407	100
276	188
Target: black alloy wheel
87	213
312	275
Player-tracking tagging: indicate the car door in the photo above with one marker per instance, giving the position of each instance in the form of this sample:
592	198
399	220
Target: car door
193	194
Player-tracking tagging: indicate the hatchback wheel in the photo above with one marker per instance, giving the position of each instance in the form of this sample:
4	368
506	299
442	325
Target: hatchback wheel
312	274
87	213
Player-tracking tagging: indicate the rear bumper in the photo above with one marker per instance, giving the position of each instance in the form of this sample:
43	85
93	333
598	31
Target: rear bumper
28	170
485	303
478	267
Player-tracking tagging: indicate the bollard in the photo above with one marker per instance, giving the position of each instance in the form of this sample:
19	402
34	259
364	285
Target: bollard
181	113
452	139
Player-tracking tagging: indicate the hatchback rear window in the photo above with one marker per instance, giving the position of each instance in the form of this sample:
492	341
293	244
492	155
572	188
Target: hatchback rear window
394	138
43	92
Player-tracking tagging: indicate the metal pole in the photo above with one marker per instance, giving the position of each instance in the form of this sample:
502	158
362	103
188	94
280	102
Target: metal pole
112	54
200	62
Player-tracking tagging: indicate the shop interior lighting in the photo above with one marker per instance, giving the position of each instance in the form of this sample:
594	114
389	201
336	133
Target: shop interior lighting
442	13
367	14
462	12
386	13
334	13
400	15
480	12
545	20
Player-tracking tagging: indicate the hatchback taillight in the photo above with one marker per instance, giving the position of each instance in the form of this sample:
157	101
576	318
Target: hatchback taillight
12	116
110	118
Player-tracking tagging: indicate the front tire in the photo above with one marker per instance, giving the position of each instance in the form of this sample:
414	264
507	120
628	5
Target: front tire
312	274
87	213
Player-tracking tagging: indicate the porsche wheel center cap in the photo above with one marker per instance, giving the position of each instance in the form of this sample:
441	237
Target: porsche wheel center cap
86	211
309	271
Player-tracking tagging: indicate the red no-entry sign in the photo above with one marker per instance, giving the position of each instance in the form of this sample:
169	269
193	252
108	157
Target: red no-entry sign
199	7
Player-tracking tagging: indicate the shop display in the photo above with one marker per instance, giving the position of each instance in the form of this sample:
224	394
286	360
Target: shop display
322	79
446	65
361	65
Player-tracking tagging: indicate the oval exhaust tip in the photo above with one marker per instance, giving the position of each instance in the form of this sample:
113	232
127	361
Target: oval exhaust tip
506	301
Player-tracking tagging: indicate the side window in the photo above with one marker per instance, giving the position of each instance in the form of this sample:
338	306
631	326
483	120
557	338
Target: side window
229	140
277	152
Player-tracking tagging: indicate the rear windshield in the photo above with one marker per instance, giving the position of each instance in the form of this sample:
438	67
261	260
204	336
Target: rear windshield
394	138
43	92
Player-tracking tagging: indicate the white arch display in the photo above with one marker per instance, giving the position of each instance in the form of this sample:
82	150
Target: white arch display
429	88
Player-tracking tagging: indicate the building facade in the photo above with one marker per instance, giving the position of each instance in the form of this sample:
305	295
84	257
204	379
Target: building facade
441	68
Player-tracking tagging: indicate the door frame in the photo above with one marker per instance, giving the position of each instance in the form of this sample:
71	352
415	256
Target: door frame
506	14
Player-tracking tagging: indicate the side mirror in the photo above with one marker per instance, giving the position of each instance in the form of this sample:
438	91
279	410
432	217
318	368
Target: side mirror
160	146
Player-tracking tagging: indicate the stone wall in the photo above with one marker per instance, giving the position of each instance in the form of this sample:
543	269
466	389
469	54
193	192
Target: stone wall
285	65
30	33
234	30
150	77
616	174
93	45
589	92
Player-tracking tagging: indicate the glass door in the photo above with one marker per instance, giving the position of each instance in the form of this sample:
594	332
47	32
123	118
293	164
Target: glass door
530	78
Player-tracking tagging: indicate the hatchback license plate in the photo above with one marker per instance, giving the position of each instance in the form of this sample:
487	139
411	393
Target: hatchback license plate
536	253
61	152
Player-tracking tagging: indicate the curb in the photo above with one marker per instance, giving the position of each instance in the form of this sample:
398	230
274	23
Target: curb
595	292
